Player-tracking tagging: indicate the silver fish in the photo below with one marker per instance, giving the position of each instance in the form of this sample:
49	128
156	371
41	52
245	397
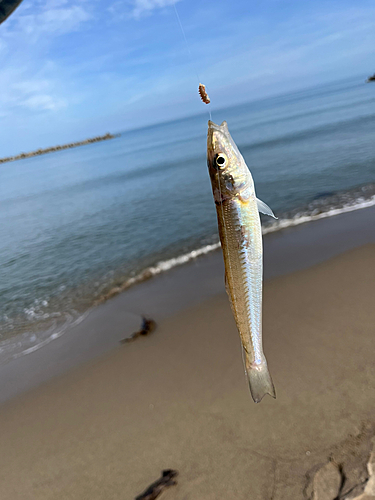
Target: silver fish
241	240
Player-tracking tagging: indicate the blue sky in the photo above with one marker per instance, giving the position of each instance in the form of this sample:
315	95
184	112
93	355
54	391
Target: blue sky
71	69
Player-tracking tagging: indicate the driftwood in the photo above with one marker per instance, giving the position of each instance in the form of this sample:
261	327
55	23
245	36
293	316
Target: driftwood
148	326
157	487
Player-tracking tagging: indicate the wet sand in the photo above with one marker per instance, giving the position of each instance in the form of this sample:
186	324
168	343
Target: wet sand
179	399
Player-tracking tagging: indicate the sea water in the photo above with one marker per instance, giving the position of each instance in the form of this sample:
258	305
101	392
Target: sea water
77	224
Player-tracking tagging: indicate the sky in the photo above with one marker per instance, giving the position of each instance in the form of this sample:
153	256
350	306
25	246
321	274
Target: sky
72	69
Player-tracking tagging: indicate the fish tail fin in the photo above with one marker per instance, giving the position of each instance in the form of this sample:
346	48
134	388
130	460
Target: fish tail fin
260	381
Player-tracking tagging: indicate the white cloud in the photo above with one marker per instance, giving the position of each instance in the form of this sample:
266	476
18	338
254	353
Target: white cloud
78	63
57	21
145	7
32	80
55	17
36	95
42	102
136	9
22	91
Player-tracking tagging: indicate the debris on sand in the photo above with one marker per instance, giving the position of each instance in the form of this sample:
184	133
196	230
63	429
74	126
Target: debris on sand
157	487
147	327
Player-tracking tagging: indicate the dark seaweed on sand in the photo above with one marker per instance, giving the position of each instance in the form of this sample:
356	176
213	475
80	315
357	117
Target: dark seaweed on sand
157	487
148	326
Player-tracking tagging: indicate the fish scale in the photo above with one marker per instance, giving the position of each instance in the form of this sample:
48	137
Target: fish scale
242	273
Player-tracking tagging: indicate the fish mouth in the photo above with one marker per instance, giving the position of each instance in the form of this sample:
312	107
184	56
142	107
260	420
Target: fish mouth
223	128
216	134
219	140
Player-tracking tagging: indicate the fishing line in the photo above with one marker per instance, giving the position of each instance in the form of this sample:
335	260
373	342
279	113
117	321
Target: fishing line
188	50
209	112
225	231
218	173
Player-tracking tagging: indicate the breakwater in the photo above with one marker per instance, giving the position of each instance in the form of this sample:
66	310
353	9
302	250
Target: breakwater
52	149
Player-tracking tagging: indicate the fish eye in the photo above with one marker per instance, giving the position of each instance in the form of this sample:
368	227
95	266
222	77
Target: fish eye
221	160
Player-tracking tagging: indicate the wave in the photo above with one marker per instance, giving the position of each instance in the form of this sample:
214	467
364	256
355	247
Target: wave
160	267
302	218
310	132
302	114
323	206
320	208
26	343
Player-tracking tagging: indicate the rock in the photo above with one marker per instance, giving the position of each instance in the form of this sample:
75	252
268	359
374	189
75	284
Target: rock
370	486
326	483
368	493
353	456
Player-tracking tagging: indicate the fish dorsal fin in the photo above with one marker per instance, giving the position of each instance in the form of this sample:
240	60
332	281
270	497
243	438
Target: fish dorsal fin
265	209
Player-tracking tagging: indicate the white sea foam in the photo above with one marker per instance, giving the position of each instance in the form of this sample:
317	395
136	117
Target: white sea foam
283	223
18	346
303	218
166	265
277	225
53	336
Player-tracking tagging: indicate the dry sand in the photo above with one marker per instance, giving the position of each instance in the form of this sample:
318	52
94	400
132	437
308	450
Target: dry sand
179	399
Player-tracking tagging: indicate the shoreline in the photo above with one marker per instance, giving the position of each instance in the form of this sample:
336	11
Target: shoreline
53	149
166	294
38	336
179	399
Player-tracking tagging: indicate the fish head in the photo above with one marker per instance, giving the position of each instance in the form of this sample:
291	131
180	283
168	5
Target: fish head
228	171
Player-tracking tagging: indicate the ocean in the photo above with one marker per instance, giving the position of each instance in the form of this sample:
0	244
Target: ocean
79	225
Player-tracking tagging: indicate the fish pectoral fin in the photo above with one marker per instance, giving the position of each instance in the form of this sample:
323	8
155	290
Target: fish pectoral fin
265	209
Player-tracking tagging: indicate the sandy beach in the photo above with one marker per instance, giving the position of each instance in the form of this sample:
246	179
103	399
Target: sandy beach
87	418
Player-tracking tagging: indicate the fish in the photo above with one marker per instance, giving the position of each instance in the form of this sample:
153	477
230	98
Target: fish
237	209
